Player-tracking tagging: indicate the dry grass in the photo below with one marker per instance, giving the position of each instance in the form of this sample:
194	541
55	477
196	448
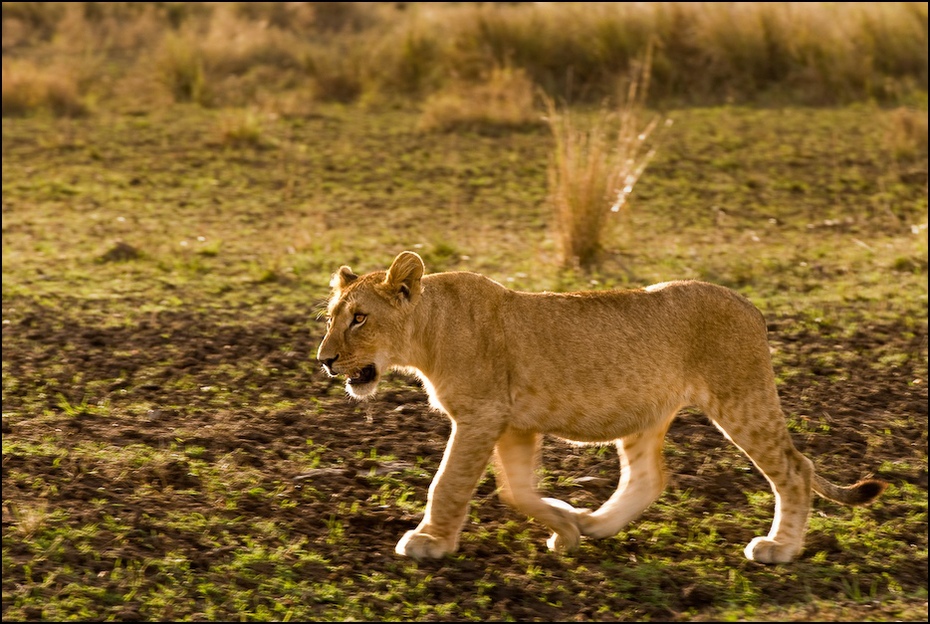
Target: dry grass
594	170
336	72
906	135
180	69
231	54
811	52
29	519
241	128
27	89
506	99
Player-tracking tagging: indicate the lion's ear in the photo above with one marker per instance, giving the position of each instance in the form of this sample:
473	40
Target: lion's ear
403	278
342	278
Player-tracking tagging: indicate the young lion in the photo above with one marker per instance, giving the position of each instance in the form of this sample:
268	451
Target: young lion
592	367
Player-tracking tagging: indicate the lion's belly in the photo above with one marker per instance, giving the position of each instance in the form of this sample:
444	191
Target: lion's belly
598	415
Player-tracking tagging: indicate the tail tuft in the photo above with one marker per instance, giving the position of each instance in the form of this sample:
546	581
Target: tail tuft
860	493
867	491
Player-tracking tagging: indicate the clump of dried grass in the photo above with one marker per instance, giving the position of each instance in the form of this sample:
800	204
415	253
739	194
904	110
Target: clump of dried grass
181	70
906	133
504	100
241	128
592	171
27	89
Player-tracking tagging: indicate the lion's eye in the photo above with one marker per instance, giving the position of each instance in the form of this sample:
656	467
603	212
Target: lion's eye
358	319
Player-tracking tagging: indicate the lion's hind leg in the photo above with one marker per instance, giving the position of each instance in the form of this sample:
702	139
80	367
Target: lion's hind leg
758	429
516	457
642	481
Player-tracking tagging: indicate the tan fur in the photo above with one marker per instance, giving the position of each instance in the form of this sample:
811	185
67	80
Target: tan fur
593	367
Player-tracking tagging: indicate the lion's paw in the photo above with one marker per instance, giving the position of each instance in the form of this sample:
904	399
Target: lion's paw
765	550
567	534
563	543
422	546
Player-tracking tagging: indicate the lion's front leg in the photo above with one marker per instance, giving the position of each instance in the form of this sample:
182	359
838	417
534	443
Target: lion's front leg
466	458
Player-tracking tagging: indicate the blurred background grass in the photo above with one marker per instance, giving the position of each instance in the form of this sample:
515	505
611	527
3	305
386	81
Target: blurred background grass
71	58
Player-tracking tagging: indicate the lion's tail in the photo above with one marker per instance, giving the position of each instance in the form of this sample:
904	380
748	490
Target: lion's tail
860	493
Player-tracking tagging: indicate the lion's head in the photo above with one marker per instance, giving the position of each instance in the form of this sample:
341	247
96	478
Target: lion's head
367	320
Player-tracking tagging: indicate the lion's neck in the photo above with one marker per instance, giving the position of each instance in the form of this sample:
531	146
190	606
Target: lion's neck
452	325
425	331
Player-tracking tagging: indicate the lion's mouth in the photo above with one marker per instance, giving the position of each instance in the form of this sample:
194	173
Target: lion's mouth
363	376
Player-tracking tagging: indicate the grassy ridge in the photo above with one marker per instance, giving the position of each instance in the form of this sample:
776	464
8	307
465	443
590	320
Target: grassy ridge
68	58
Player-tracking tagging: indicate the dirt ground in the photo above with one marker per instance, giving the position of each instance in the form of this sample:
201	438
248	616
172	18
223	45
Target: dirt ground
861	404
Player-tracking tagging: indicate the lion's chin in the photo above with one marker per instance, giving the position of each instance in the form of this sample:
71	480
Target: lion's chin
364	383
361	391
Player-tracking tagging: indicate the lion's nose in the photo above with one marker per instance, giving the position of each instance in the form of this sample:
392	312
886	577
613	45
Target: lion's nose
328	364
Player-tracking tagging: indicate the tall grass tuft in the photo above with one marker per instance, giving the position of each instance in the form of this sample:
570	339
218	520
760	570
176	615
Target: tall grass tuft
592	171
336	72
906	133
27	89
241	128
181	70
